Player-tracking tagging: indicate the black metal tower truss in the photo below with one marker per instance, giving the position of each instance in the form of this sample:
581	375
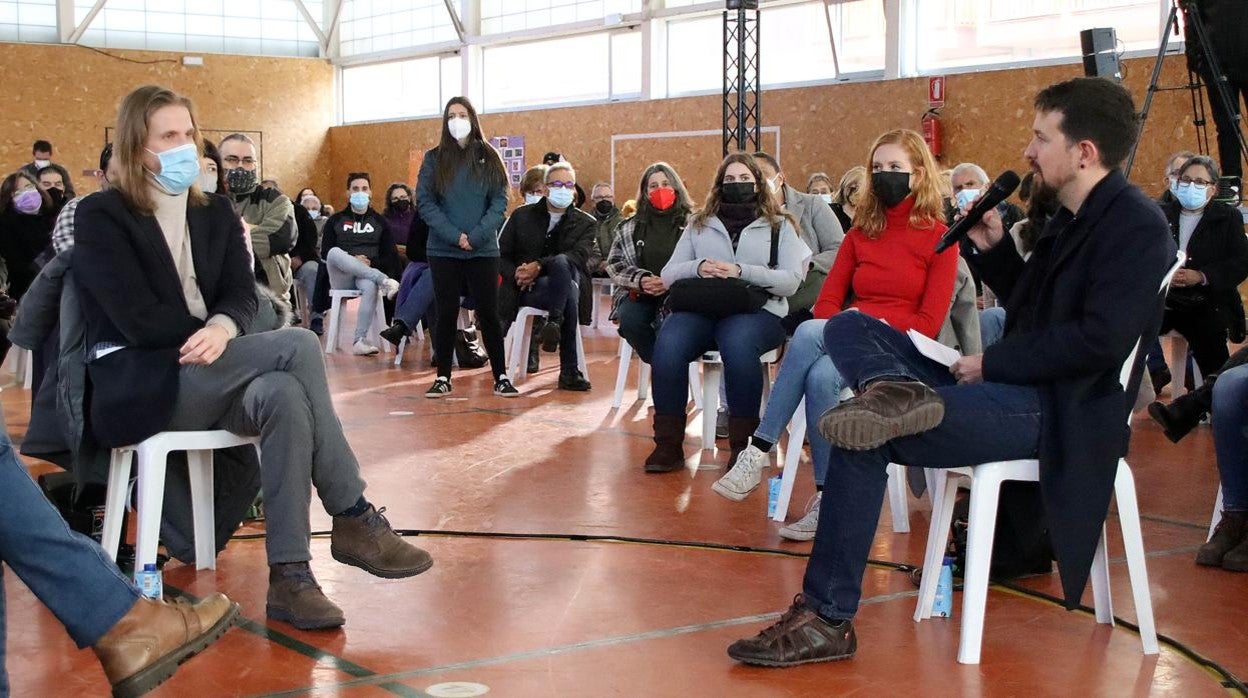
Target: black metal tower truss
741	78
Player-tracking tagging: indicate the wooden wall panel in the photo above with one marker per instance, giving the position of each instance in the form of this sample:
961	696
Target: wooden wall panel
69	94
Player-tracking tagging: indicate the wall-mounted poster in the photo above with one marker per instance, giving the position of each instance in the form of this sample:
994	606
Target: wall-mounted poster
511	150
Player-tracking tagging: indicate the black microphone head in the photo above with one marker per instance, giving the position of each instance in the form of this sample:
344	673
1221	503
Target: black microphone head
1006	182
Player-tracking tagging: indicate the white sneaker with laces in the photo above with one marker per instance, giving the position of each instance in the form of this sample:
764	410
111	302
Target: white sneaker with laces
805	527
363	348
390	288
744	476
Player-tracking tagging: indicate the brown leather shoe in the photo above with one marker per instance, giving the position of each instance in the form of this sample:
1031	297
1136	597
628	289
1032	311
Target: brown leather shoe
146	646
799	637
885	411
295	597
367	541
669	438
1232	530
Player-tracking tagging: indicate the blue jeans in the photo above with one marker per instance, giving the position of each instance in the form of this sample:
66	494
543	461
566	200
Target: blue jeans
806	371
739	339
991	326
1230	436
983	422
555	291
68	572
639	324
415	299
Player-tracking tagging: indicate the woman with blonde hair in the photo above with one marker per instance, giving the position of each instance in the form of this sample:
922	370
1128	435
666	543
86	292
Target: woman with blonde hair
853	181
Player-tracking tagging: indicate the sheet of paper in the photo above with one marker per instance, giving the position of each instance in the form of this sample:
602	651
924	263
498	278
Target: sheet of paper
932	349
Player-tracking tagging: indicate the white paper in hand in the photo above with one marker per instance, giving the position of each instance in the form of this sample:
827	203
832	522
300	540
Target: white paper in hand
932	349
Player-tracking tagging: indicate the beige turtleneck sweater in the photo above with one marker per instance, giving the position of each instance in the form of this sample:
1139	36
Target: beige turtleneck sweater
171	216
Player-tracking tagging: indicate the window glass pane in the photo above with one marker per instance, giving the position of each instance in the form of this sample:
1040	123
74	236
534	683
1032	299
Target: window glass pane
795	46
518	75
370	26
695	54
268	27
452	79
965	33
860	40
391	90
626	64
498	16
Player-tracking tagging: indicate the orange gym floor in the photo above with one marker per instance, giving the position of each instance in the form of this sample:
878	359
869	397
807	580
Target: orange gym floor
528	617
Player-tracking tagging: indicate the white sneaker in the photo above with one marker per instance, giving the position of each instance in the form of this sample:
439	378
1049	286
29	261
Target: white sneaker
805	527
744	476
390	288
363	348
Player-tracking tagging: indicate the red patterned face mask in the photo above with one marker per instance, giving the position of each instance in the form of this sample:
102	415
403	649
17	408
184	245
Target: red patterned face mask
662	198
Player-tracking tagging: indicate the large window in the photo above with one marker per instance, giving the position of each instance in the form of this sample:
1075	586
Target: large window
269	27
969	33
591	67
373	26
28	20
860	35
499	16
399	89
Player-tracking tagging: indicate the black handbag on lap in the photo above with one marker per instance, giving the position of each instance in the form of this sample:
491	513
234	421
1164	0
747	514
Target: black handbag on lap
720	298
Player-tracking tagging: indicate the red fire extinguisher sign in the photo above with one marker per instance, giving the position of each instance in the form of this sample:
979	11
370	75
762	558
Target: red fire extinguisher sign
936	91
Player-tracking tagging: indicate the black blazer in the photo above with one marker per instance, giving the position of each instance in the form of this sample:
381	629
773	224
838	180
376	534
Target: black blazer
1074	312
131	295
524	239
1218	249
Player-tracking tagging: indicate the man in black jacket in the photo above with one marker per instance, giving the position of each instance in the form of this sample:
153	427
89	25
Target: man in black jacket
1049	389
544	251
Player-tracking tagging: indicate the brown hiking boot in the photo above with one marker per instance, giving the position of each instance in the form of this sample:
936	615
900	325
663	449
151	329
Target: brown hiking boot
1231	532
669	438
146	646
885	411
295	598
799	637
367	541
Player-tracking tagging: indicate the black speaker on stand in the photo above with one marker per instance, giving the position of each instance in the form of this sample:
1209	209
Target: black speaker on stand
1100	53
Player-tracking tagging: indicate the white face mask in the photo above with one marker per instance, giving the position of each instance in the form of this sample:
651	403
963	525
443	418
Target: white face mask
827	198
208	182
40	164
459	128
532	198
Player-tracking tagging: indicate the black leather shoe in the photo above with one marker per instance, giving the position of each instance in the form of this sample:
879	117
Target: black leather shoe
396	332
573	381
1178	418
799	637
1230	533
550	334
1161	378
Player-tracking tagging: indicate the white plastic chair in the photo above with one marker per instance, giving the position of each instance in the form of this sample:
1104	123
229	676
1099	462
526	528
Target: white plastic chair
20	362
1178	366
1217	514
985	481
643	378
517	344
337	301
603	287
712	374
153	455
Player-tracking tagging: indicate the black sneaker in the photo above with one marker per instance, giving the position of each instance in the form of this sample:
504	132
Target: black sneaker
549	335
317	325
440	388
396	332
504	388
573	381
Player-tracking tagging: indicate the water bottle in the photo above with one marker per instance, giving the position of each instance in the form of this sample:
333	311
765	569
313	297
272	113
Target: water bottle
773	496
149	582
942	607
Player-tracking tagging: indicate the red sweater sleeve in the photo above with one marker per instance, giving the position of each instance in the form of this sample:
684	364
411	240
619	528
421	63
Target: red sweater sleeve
836	286
942	275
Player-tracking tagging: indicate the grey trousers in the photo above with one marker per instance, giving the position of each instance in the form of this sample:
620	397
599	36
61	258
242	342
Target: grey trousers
346	273
273	385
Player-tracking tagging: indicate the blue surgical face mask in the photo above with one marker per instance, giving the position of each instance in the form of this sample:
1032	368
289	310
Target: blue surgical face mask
359	199
827	198
966	196
1192	196
560	197
1174	186
532	198
179	168
314	214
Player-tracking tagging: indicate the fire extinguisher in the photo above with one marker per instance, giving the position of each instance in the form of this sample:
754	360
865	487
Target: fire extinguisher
931	131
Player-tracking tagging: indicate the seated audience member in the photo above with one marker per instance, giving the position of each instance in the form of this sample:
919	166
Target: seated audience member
269	184
1170	180
606	224
63	231
818	228
305	256
162	324
1203	303
1228	547
889	267
968	181
820	184
269	215
212	170
55	180
139	641
399	211
642	247
730	238
533	185
543	252
27	215
360	254
853	181
41	154
414	303
550	159
1049	389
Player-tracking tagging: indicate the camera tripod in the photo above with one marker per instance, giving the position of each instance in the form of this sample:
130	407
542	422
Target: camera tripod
1219	98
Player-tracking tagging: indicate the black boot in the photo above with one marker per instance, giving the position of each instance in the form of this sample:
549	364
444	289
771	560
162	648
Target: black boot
1183	413
396	332
1230	533
551	333
740	429
534	364
669	439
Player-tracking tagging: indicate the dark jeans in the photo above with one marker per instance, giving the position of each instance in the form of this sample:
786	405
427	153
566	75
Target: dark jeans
1205	332
639	324
1230	436
983	422
555	291
415	299
740	341
68	572
480	276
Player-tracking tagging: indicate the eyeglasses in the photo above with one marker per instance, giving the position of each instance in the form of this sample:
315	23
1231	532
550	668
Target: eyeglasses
560	185
235	161
1197	182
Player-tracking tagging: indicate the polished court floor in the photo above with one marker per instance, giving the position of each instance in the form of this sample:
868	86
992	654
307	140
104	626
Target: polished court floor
548	614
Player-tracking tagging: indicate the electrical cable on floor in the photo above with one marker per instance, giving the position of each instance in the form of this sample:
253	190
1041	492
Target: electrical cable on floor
1229	680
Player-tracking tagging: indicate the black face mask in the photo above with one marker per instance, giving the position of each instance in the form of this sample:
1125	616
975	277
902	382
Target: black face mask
738	192
604	208
400	205
241	180
891	188
58	196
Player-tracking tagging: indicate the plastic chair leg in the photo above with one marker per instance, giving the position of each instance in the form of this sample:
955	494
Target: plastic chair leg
1133	542
792	460
985	494
937	534
335	316
898	505
153	462
710	402
115	499
621	375
199	464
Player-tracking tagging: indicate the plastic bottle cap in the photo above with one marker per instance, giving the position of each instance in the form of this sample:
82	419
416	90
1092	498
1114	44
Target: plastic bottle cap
150	567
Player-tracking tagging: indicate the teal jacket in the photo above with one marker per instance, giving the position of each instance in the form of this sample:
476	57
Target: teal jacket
469	207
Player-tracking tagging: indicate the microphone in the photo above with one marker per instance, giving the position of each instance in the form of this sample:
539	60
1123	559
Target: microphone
1004	185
